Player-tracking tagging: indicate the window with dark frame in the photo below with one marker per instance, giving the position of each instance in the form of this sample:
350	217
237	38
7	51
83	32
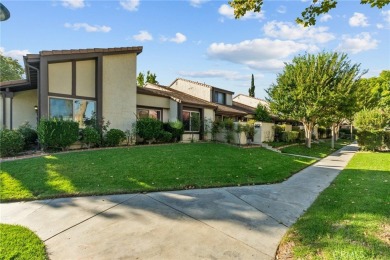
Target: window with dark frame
147	112
189	118
220	97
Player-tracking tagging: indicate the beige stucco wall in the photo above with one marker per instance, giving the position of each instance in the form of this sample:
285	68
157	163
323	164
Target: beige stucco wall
229	99
173	110
188	137
23	108
85	78
152	101
194	89
264	133
60	78
209	117
165	115
249	101
120	90
288	128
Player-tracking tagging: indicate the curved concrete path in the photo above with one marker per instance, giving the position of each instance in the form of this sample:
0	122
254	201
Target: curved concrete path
224	223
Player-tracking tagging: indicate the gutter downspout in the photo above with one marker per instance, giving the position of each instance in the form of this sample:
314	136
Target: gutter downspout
39	91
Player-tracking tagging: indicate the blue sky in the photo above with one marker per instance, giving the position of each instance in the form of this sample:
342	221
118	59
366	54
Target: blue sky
199	39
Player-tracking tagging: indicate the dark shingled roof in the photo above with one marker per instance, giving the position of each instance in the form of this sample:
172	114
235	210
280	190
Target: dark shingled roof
136	49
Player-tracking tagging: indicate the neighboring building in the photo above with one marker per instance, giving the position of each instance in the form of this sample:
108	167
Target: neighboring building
249	101
220	97
169	105
76	85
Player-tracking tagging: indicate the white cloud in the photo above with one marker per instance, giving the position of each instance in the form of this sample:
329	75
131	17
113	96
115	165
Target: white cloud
386	15
143	36
197	3
282	9
179	38
290	31
358	20
325	18
87	27
15	54
226	74
379	26
130	5
361	42
73	4
228	12
263	54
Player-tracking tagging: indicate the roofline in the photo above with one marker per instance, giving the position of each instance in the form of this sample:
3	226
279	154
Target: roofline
202	84
249	97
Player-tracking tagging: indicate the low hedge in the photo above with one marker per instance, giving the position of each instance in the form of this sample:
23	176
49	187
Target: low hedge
57	133
12	142
290	136
372	140
114	137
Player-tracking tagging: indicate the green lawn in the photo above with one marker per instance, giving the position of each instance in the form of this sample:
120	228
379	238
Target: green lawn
143	168
18	242
319	150
351	218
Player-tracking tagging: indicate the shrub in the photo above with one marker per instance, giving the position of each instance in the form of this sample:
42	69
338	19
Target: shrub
321	131
215	128
12	142
291	136
165	136
262	114
386	139
370	140
175	128
367	120
90	136
328	132
114	137
301	135
55	133
29	134
295	128
148	128
279	129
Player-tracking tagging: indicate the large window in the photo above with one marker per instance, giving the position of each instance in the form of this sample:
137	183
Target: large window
146	112
220	97
191	121
78	110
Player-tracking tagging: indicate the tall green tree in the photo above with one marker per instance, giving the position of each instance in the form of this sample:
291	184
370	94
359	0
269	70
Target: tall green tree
10	69
374	92
149	78
252	88
313	88
262	114
309	15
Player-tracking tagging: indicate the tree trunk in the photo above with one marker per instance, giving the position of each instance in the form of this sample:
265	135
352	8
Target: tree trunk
333	135
337	131
308	129
351	132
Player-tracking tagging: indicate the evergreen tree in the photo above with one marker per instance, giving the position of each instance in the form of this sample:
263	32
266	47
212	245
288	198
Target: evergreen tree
252	88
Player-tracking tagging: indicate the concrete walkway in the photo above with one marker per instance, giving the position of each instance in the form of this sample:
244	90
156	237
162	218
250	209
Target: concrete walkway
224	223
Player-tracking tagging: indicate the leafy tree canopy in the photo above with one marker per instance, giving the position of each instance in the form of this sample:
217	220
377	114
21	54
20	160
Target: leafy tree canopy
309	15
150	78
10	69
314	87
262	114
374	92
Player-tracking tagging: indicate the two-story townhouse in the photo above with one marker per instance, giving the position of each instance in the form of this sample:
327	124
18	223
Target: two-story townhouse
220	97
75	85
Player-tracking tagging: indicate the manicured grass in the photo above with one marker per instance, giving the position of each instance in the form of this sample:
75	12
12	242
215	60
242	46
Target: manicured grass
279	144
18	242
144	168
319	150
351	218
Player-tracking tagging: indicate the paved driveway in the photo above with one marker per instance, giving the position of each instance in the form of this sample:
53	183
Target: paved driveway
224	223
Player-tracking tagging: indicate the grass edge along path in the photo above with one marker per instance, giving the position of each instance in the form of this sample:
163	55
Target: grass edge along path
143	169
350	219
18	242
318	150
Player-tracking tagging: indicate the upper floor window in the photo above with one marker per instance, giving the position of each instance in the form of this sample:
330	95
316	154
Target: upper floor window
220	97
146	112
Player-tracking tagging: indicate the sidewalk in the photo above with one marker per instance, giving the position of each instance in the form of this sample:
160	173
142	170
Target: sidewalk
222	223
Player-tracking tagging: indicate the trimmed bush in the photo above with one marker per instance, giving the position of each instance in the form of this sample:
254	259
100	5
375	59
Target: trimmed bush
11	142
29	134
165	137
367	120
386	139
291	136
57	133
279	129
175	128
295	128
148	128
114	137
90	136
370	140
